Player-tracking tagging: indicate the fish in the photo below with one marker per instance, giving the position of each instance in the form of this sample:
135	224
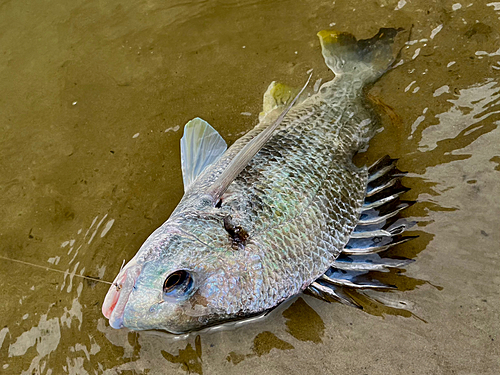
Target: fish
283	211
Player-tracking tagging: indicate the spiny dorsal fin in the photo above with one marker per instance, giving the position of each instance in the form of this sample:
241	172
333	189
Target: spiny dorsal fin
246	154
201	145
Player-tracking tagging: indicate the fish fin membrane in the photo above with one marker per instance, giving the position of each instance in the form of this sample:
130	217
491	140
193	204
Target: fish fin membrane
352	280
380	224
348	276
201	146
331	293
368	262
366	58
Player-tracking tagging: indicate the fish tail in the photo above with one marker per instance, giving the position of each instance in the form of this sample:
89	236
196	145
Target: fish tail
367	59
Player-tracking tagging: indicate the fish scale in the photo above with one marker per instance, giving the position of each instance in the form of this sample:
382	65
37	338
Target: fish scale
317	231
267	218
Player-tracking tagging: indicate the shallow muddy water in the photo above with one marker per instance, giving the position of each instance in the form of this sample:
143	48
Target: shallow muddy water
93	99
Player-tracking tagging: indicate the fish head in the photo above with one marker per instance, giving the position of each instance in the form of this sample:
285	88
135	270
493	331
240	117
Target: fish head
179	284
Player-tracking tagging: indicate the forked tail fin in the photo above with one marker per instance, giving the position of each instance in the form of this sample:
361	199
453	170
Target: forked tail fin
366	58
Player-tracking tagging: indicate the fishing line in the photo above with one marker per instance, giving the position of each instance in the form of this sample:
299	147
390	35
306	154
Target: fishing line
56	270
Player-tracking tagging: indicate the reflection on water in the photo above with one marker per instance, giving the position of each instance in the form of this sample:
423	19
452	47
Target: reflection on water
94	96
466	120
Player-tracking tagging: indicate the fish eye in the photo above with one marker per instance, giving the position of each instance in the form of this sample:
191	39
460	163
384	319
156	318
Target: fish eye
178	284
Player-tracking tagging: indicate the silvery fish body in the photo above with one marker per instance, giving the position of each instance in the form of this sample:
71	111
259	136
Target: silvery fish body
233	249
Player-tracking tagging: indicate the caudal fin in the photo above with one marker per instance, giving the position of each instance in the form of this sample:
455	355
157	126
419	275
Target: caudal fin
366	58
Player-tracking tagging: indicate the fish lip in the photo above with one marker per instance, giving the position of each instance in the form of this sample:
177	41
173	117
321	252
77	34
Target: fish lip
112	295
118	295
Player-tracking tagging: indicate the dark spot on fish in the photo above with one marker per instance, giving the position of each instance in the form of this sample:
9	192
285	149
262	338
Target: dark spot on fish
198	299
237	234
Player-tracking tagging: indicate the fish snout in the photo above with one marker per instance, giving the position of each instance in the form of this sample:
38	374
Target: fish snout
118	294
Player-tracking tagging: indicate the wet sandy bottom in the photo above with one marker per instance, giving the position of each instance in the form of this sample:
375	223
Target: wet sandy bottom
94	97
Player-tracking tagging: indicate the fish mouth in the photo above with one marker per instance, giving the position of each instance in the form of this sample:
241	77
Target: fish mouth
118	294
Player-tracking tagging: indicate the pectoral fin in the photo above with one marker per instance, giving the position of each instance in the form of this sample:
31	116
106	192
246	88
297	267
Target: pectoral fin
201	145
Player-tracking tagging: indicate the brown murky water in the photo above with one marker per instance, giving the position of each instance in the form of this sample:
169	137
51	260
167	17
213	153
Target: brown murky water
93	99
